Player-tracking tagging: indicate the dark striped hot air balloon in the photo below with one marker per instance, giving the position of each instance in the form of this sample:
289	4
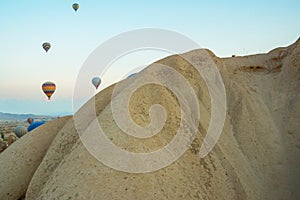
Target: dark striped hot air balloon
20	131
48	88
46	46
75	6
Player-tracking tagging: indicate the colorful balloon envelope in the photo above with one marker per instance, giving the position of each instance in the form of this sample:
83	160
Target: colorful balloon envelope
46	46
96	81
29	120
49	88
75	6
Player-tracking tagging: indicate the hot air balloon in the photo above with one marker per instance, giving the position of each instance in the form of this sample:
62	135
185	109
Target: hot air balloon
35	125
131	75
46	46
75	6
20	131
96	82
29	120
48	88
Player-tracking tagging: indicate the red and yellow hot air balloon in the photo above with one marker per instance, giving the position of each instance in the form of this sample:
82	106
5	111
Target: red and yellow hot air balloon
30	120
48	88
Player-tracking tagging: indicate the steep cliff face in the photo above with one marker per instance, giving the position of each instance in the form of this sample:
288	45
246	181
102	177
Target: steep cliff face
256	157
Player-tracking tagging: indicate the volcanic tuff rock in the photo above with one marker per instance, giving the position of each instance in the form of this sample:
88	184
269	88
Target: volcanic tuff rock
256	157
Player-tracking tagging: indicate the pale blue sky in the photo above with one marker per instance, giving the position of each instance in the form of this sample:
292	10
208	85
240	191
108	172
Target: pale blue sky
225	27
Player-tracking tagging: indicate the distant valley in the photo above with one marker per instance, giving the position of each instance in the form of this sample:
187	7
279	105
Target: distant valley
13	117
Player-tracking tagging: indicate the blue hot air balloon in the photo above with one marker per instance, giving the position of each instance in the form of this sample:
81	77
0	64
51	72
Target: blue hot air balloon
131	75
96	81
34	125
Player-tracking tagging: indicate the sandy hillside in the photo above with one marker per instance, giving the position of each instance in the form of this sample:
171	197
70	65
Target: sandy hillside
256	157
